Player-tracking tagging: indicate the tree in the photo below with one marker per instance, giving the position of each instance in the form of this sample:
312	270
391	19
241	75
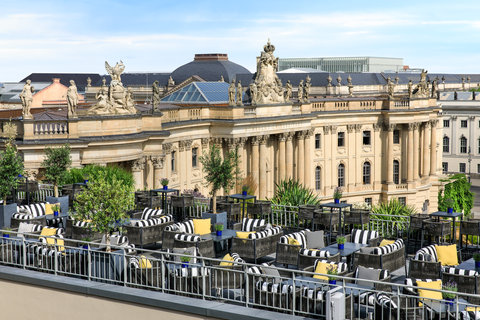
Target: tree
56	163
219	173
105	203
11	166
457	188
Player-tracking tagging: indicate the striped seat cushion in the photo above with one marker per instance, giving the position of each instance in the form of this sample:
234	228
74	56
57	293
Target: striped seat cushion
389	248
314	253
22	216
317	294
192	272
259	235
275	230
249	225
54	221
187	237
83	224
150	213
266	286
299	236
362	236
187	227
37	209
341	266
23	209
470	315
385	301
152	221
462	272
257	270
236	258
428	253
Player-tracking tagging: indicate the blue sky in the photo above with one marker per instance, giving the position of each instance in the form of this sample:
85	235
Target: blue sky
154	36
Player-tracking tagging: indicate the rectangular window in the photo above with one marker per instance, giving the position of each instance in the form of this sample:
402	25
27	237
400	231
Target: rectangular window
366	138
463	123
396	136
463	167
402	200
368	201
463	145
172	163
479	123
478	168
194	157
444	167
446	123
318	143
341	139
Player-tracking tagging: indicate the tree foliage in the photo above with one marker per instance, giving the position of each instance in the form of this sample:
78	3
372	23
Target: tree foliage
293	193
56	163
11	166
77	175
395	213
456	188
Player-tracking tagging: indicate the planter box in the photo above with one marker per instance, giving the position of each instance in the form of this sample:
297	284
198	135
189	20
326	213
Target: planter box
220	217
6	213
63	203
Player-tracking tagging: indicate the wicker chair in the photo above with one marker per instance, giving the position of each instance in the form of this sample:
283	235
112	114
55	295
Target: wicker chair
425	264
233	210
386	307
373	239
306	212
415	231
439	229
469	228
259	209
180	204
42	220
226	278
254	249
274	299
357	217
139	277
390	261
466	283
328	220
204	246
141	236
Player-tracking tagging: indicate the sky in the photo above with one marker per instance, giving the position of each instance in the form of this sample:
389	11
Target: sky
159	36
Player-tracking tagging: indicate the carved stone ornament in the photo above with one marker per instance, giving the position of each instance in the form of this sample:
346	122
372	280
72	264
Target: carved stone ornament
350	127
327	129
167	146
205	143
138	165
158	161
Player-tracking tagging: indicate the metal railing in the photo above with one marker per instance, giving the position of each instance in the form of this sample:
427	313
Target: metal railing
294	292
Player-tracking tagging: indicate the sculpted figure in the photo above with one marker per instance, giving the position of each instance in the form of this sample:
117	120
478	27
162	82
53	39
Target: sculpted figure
231	93
129	102
221	78
434	88
410	88
288	91
102	102
156	94
422	87
329	81
89	82
72	99
253	93
306	89
239	93
171	83
390	87
27	97
300	91
116	71
269	86
104	82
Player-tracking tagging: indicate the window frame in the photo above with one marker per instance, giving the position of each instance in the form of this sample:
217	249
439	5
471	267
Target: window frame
341	139
341	175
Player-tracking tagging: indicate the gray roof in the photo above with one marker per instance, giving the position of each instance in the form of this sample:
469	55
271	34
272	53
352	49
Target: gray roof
139	79
210	70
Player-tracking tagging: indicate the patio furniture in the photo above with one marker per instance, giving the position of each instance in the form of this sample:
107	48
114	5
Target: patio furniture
390	257
227	276
81	230
163	201
194	280
148	231
249	225
426	264
436	229
369	237
144	272
363	278
260	209
356	217
233	210
339	208
257	245
453	216
32	213
469	232
306	213
387	307
415	231
275	296
180	235
180	206
467	281
328	220
243	198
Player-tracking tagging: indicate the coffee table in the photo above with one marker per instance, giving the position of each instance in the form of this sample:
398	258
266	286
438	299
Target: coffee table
349	249
223	243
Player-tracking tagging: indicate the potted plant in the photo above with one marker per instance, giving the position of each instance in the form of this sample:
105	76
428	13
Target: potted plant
164	182
11	166
337	194
449	205
86	239
185	260
341	242
244	190
85	179
219	229
332	271
476	258
55	209
451	292
6	232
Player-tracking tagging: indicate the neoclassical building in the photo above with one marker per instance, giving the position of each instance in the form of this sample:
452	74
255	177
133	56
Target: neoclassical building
375	147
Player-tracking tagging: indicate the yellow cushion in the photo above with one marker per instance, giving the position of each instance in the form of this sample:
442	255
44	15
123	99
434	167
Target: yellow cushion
321	268
60	244
202	226
293	241
428	293
243	234
227	257
473	309
49	207
49	232
386	242
145	263
447	255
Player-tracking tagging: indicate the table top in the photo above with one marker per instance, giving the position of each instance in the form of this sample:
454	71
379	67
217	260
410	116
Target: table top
241	196
226	234
335	205
441	307
444	214
467	265
52	216
349	248
304	281
164	191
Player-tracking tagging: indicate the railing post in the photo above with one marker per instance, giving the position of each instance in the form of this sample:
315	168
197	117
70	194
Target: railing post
24	253
124	262
55	261
247	289
89	264
162	266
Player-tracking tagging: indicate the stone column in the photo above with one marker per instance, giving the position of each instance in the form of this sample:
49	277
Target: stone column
410	153
426	150
255	161
281	157
289	156
157	170
307	181
242	156
300	155
187	158
416	151
390	129
433	150
148	173
328	164
262	187
137	171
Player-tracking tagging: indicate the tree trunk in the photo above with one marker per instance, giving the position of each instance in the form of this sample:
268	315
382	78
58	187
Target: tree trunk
55	190
214	202
107	242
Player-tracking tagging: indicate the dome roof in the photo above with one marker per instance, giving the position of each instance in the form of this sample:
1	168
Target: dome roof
210	67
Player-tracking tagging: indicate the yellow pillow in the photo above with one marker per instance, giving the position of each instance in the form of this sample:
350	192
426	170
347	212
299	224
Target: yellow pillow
321	268
60	244
293	241
145	263
49	232
49	207
473	309
202	226
428	293
243	234
386	242
227	257
447	255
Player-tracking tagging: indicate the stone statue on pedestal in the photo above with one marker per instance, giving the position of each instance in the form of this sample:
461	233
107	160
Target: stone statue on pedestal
300	93
253	93
390	88
288	91
171	83
350	86
306	89
72	99
421	90
239	93
231	93
27	97
410	88
155	94
89	82
268	84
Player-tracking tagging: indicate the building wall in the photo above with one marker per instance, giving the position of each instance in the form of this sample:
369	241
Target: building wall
345	64
54	93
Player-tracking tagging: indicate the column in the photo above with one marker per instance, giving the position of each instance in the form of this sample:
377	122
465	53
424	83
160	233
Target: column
307	180
187	158
289	156
148	173
426	150
416	151
433	150
137	172
281	157
333	162
242	156
390	129
262	190
157	162
300	160
410	153
255	162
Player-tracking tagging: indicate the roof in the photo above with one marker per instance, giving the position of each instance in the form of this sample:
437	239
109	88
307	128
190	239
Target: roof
200	93
11	90
209	70
138	79
79	78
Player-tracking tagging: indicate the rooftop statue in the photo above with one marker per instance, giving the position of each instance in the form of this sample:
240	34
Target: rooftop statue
231	94
27	97
268	84
421	90
72	99
116	71
156	94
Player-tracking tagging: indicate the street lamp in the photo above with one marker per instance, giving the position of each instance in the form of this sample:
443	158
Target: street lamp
469	163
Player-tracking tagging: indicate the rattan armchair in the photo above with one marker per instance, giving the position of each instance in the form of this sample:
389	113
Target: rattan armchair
356	217
437	229
253	249
233	210
328	220
141	236
306	212
281	299
259	209
469	232
389	261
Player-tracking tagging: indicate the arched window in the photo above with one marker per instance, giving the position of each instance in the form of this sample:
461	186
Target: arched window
446	144
318	177
396	172
366	172
341	175
463	145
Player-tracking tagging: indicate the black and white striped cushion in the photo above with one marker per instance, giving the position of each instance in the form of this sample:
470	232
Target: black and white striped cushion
341	266
22	216
385	301
145	223
187	237
299	236
150	213
274	230
249	225
173	227
274	287
188	225
58	232
37	228
24	209
362	236
37	209
236	258
389	248
54	221
314	253
463	272
310	293
259	235
255	270
192	272
426	252
470	315
82	223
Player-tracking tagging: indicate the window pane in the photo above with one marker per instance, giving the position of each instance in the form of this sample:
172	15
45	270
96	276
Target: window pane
396	172
341	139
317	141
341	175
318	184
396	136
366	137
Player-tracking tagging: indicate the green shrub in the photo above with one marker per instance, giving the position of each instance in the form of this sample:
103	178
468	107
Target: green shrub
393	213
76	175
292	193
457	189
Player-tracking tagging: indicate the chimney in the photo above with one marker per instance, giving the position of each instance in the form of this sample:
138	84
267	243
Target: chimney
56	80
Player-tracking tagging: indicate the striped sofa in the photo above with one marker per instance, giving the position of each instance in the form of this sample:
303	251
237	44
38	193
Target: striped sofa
390	257
32	213
258	244
425	264
181	235
149	228
370	237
